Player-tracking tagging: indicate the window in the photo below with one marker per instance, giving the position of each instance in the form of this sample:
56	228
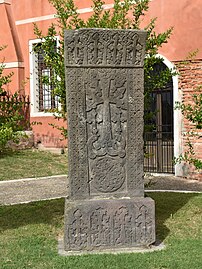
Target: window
43	98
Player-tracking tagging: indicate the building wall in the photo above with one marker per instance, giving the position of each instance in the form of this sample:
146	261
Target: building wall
41	12
26	13
17	31
185	17
190	83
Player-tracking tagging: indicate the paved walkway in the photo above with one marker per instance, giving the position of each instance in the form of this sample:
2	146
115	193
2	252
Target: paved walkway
46	188
26	190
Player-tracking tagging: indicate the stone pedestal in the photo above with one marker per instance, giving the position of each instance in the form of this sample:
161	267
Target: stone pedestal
106	208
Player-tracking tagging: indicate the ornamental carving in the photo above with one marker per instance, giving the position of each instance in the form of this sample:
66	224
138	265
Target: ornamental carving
106	208
105	47
119	224
108	174
106	110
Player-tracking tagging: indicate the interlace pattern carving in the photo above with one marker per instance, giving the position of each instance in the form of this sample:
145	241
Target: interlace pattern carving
106	111
106	107
106	208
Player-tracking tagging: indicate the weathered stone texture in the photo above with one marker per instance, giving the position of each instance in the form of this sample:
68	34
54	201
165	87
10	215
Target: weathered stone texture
104	80
109	223
104	47
105	112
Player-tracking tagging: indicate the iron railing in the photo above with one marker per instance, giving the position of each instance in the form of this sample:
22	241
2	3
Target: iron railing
159	152
11	104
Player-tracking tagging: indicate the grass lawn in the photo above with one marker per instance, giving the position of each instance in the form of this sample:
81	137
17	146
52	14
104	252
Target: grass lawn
29	236
31	163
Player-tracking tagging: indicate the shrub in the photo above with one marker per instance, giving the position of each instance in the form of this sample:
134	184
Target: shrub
12	107
124	15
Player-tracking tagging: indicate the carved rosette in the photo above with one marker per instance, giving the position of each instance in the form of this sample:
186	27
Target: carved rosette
108	174
102	68
106	208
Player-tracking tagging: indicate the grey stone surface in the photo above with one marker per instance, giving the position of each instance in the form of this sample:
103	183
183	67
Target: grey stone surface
158	246
104	74
105	89
102	224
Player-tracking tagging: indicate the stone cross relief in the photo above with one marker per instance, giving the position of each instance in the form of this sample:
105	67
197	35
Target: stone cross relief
106	109
106	106
106	208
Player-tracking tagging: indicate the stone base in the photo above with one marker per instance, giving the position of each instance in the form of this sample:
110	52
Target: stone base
96	225
154	247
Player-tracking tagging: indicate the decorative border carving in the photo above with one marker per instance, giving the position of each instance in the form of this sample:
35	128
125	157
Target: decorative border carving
104	47
110	223
105	112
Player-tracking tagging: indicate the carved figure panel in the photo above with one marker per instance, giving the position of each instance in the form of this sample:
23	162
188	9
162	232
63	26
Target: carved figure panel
143	223
77	231
123	226
100	227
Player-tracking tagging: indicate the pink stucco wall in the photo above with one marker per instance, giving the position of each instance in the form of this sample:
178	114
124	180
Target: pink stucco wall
184	15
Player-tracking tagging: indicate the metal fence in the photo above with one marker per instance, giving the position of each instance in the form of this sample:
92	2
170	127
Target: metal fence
15	104
159	152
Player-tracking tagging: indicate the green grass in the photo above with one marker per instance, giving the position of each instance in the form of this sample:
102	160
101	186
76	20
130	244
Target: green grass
31	163
29	235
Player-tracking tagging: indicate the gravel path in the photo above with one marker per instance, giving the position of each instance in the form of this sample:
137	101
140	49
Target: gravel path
46	188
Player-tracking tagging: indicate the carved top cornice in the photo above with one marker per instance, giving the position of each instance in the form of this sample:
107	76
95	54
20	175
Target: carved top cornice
105	48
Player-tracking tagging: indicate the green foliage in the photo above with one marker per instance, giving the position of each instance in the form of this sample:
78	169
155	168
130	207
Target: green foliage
29	237
6	134
193	113
11	119
10	111
4	79
126	14
189	156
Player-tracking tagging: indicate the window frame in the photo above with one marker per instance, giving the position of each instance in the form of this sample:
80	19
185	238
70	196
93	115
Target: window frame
34	109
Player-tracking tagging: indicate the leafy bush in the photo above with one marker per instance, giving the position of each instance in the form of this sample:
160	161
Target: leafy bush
124	15
11	111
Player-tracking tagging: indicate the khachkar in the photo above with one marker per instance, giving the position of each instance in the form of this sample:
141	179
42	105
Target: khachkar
106	208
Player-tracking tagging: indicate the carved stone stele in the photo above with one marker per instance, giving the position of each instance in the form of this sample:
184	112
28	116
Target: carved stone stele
105	87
